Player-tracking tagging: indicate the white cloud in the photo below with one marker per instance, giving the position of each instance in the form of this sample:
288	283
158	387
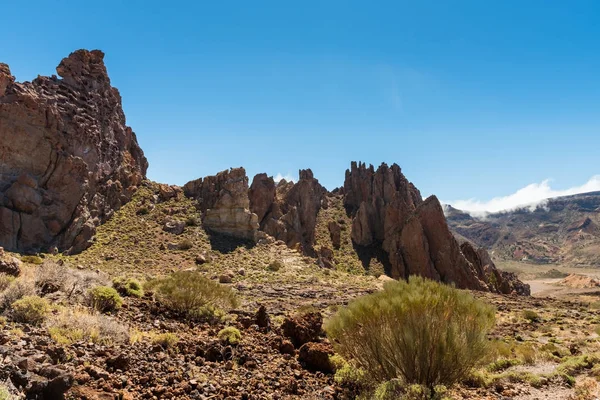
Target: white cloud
280	176
530	196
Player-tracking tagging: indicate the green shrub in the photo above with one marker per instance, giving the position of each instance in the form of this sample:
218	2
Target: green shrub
191	294
275	266
30	309
229	335
5	394
166	340
105	299
531	316
419	331
185	244
128	287
37	260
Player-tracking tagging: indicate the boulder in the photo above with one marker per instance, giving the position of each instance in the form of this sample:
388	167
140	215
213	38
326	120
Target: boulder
68	161
315	357
304	328
9	265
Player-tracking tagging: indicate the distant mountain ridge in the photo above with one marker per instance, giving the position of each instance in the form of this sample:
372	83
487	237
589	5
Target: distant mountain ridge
562	230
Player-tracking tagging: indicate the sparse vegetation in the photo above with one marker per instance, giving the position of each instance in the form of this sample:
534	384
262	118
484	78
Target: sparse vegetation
30	309
5	281
105	299
275	265
165	340
72	325
191	294
37	260
419	331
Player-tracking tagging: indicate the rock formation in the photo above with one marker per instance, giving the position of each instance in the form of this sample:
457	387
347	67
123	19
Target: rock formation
223	198
389	214
67	159
290	210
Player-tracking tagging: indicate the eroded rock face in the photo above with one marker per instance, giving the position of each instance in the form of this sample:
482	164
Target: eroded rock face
389	213
67	158
291	211
223	198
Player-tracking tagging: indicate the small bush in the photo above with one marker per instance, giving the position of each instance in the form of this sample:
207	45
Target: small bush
105	299
185	244
193	295
128	287
51	277
5	393
166	340
531	316
37	260
5	281
17	289
419	331
275	266
30	309
73	325
229	335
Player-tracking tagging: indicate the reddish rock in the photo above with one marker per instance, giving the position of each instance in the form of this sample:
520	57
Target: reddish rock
261	195
301	329
315	357
293	213
69	160
335	233
390	215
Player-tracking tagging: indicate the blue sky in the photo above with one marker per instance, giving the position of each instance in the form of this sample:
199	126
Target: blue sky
473	99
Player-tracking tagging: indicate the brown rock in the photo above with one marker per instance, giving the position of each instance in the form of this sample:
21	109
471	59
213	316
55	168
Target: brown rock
315	357
303	328
223	199
293	214
389	215
262	318
9	265
335	233
69	161
262	195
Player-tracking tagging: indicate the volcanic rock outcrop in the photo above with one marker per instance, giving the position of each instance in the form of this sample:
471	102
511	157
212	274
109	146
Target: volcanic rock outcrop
223	199
67	158
389	214
289	210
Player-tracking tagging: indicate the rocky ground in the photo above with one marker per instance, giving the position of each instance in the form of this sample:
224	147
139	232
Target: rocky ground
543	347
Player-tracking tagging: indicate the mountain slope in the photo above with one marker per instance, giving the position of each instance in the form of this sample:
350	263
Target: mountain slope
565	230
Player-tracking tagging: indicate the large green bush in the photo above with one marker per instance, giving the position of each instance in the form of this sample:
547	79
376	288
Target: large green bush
420	331
105	299
193	295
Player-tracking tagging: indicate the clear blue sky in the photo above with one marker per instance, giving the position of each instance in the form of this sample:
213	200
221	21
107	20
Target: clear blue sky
474	99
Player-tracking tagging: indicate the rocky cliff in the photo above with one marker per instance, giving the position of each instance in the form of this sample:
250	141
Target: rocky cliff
389	214
67	158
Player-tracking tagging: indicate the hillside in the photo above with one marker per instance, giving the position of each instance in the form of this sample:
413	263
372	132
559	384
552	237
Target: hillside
565	231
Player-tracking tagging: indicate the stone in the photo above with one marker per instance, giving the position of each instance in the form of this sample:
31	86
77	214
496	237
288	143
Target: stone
301	329
174	227
390	216
292	214
335	233
9	265
224	201
69	160
315	357
262	318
